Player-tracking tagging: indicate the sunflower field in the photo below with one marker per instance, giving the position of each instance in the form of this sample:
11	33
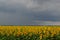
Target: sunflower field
29	32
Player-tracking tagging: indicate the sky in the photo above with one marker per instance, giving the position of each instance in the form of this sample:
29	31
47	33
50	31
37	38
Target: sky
29	12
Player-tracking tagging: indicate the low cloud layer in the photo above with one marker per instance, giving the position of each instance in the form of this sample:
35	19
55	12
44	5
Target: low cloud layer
27	12
47	23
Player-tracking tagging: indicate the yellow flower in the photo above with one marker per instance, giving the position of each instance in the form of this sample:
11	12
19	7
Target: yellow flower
18	34
41	36
30	34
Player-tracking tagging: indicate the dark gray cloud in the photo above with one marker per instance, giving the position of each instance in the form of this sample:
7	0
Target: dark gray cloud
28	12
47	16
15	14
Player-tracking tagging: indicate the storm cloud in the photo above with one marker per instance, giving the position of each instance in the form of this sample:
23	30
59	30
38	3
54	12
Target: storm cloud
29	12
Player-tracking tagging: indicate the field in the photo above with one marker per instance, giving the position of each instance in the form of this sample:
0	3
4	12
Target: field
29	32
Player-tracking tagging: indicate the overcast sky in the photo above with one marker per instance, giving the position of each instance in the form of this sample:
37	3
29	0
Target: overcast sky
29	12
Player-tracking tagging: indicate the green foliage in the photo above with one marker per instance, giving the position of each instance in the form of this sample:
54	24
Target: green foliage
27	37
